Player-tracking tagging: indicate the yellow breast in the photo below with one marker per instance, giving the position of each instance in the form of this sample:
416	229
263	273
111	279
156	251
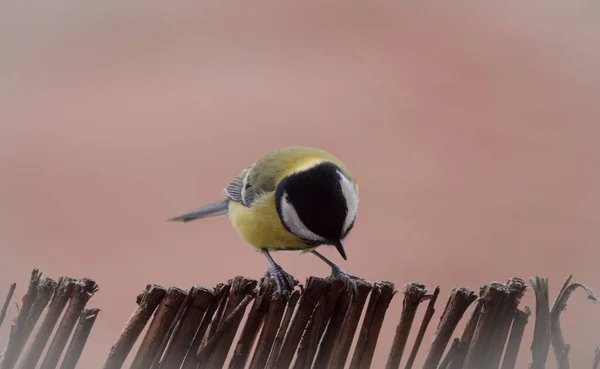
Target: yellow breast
261	226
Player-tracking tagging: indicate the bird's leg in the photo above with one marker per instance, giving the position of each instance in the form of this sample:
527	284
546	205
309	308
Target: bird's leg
285	282
337	272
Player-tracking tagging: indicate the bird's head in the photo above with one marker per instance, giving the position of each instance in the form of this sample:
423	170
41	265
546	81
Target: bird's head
318	204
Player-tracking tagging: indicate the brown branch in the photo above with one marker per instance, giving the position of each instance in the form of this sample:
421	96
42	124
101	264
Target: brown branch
255	320
165	313
514	340
414	294
241	288
84	289
467	336
79	339
16	338
229	324
315	288
61	296
220	293
424	324
147	302
596	362
541	334
195	306
451	354
493	297
460	299
309	341
343	341
9	295
381	296
556	334
267	349
218	317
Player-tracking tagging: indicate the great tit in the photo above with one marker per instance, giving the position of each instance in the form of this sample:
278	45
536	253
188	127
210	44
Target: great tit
294	198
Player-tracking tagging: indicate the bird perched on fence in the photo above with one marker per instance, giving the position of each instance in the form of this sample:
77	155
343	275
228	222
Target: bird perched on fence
294	198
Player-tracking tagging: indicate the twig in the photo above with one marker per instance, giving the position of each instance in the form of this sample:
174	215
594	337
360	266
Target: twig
315	288
515	338
218	317
459	301
541	334
197	303
556	334
220	293
596	362
15	340
274	330
414	294
460	354
337	316
381	296
479	353
149	348
9	295
309	341
424	324
255	320
451	354
147	302
59	300
84	289
241	288
79	339
340	351
229	324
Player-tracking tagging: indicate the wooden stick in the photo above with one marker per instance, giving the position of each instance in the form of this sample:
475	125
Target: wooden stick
343	341
149	348
424	324
15	340
450	355
191	359
459	301
414	294
334	326
556	334
197	304
229	324
467	336
59	300
541	333
255	320
307	348
241	287
315	288
9	295
381	296
515	338
269	344
218	317
84	289
516	288
147	302
479	352
79	339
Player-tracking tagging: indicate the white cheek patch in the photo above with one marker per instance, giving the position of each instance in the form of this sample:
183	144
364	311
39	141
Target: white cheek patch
351	200
292	221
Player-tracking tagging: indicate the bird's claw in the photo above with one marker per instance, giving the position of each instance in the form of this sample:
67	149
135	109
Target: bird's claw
284	282
348	279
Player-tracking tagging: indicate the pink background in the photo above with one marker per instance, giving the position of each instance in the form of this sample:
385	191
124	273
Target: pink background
473	132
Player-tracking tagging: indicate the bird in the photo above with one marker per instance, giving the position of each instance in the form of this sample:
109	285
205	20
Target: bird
295	198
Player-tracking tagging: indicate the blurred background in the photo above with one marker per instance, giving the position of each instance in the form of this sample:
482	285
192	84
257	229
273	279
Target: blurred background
472	130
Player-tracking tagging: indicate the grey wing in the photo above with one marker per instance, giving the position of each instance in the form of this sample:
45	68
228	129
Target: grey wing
240	190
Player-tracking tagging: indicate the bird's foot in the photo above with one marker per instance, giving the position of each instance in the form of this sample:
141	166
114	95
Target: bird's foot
285	283
348	279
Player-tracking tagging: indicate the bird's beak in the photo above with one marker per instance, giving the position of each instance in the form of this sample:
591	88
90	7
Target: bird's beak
340	247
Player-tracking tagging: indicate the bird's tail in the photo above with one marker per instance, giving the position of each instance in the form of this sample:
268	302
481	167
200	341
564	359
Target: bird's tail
210	210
